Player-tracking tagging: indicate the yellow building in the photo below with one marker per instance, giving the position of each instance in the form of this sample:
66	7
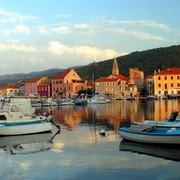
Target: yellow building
167	82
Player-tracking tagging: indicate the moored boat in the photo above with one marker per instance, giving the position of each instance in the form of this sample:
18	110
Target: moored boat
17	117
145	133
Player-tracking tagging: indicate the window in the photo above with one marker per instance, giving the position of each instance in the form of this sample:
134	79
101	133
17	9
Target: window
171	77
159	85
172	84
178	84
159	92
165	77
165	86
14	109
178	77
159	78
3	117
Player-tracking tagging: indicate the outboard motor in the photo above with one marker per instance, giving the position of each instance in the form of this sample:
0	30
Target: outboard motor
173	116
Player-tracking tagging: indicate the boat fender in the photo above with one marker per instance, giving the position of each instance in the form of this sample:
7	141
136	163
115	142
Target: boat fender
49	118
172	129
102	132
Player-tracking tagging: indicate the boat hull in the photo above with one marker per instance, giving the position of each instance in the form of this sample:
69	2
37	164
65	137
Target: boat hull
17	128
167	136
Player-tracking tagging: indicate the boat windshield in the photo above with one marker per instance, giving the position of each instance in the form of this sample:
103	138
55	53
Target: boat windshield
14	108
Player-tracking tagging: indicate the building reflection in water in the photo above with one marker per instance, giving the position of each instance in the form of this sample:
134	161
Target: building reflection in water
115	114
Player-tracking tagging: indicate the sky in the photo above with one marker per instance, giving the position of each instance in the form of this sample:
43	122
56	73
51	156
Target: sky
37	35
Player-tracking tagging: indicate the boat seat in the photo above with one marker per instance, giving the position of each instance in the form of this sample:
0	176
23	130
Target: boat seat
142	128
173	116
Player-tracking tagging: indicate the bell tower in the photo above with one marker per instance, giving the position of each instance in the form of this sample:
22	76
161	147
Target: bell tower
115	69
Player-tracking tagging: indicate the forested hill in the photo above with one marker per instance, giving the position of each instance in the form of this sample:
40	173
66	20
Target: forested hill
147	61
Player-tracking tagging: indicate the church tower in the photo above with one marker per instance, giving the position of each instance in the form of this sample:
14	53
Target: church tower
115	69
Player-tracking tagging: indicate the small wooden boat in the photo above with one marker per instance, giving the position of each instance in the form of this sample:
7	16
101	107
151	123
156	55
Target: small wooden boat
150	134
172	122
162	151
17	117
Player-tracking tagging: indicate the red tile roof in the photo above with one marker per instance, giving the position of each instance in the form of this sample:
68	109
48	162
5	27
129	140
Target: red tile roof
105	79
109	79
119	76
62	75
169	71
149	77
12	86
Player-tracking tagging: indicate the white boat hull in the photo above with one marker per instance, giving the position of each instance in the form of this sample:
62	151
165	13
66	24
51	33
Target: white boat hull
24	128
154	138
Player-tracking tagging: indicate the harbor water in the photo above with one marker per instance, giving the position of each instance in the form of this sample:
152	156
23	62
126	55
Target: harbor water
79	151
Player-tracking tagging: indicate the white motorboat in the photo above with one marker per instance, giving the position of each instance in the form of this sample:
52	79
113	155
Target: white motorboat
17	117
64	102
97	100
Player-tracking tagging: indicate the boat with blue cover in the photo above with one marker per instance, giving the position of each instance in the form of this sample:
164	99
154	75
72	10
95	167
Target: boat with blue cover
145	133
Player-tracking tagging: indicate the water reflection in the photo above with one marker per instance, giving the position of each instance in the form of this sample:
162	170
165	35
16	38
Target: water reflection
114	115
166	152
26	144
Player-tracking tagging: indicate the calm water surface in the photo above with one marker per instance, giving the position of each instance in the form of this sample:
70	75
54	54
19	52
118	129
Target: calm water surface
79	152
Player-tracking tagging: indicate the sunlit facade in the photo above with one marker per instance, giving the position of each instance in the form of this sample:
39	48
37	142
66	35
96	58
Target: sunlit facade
67	84
167	82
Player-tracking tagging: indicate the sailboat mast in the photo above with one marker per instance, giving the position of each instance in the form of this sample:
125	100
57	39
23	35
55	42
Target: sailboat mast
94	87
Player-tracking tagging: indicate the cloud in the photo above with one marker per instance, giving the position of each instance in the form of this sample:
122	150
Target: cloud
16	47
63	15
137	34
21	29
12	17
82	26
140	23
85	51
43	30
61	29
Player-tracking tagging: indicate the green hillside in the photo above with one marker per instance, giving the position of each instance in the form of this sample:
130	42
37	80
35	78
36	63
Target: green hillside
147	61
